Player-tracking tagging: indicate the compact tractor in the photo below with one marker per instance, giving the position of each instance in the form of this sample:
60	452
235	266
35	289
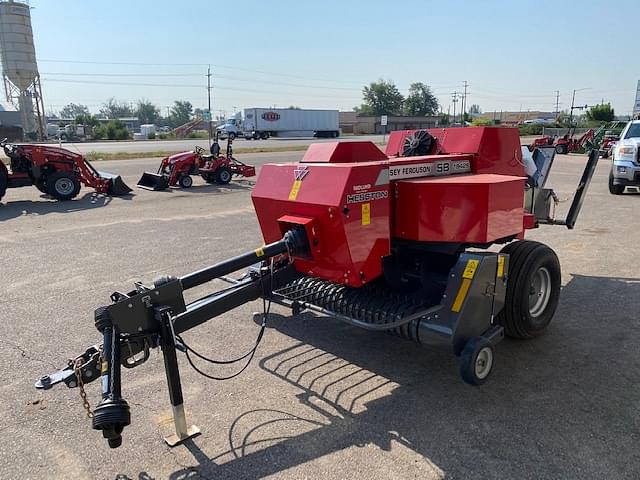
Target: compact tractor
567	143
177	169
55	171
393	241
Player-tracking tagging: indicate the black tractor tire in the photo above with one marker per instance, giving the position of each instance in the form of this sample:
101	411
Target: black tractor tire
533	289
63	185
231	136
477	360
185	181
4	180
561	149
613	188
223	175
41	185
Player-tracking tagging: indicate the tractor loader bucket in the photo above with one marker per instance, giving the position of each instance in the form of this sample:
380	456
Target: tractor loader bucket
153	181
116	184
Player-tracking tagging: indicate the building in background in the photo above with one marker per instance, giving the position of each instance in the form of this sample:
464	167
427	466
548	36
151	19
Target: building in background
19	67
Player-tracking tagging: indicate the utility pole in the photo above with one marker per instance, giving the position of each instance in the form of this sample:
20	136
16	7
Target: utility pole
464	102
454	97
209	101
557	104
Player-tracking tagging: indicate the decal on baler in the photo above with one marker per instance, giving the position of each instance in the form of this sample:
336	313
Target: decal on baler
431	169
295	188
367	196
366	213
467	277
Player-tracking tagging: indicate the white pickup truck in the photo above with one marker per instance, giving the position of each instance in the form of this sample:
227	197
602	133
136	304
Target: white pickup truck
625	165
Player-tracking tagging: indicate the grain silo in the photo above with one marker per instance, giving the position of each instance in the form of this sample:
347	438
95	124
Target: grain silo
19	67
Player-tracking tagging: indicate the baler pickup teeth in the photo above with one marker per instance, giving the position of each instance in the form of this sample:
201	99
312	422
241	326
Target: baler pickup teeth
153	181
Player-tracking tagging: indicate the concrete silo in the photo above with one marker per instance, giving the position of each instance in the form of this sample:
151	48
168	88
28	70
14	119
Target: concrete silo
19	67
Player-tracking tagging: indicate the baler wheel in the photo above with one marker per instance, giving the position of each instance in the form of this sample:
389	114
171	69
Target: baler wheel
477	361
63	186
533	289
223	175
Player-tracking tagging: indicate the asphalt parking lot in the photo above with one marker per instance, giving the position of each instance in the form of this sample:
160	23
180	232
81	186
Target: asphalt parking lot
322	399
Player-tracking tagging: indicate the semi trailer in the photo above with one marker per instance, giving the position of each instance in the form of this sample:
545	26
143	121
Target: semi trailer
262	123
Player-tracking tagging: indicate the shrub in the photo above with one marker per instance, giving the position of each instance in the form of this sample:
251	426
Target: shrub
151	136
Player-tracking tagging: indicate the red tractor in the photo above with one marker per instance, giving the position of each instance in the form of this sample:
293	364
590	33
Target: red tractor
565	144
177	169
55	171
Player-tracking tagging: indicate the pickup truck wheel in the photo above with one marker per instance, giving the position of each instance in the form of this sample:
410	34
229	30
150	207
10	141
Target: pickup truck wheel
533	289
63	186
613	188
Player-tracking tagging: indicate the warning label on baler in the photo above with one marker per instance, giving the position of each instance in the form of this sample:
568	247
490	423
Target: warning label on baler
431	169
366	213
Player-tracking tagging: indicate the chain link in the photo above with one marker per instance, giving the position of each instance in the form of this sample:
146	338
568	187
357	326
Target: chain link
83	394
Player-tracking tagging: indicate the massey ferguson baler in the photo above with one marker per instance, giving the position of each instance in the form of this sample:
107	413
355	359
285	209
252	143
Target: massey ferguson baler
387	241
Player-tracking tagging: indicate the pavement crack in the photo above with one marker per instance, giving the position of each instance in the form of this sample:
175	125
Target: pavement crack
25	354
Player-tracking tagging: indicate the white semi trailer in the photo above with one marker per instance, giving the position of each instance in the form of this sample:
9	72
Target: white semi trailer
262	123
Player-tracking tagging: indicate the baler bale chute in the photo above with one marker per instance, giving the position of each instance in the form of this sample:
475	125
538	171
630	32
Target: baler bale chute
391	241
55	171
177	169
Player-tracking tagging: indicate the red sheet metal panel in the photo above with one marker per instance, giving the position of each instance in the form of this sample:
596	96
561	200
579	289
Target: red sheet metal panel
343	152
349	208
496	149
461	208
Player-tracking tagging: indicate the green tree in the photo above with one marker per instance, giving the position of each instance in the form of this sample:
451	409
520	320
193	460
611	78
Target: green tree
420	101
474	109
601	113
86	119
444	120
181	112
147	112
112	108
381	98
116	130
72	110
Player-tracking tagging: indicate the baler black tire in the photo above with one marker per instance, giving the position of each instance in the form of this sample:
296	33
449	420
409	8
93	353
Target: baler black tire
613	188
527	259
475	350
52	183
223	175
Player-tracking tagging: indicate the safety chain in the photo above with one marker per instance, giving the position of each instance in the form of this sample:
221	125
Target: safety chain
83	394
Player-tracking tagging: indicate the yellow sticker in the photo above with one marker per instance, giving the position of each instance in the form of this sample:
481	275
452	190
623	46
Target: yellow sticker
366	213
500	273
470	269
295	188
462	293
104	367
260	252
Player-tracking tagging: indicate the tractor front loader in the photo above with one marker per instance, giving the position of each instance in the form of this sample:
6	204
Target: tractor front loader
54	171
393	241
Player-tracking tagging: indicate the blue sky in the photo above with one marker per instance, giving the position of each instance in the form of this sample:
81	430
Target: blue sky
514	54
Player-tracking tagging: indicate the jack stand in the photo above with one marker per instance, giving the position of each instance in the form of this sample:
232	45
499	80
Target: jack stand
163	314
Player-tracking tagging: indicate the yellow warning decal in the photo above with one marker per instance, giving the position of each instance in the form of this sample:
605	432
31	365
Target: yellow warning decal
500	273
366	213
259	252
462	293
295	188
470	269
104	367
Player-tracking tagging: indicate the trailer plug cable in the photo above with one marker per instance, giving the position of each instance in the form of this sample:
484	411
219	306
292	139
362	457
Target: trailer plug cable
266	308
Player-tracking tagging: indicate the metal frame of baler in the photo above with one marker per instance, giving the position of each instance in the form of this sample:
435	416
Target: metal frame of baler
156	315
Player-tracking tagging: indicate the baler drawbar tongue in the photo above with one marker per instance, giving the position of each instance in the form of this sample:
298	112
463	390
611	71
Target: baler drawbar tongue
153	181
116	184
